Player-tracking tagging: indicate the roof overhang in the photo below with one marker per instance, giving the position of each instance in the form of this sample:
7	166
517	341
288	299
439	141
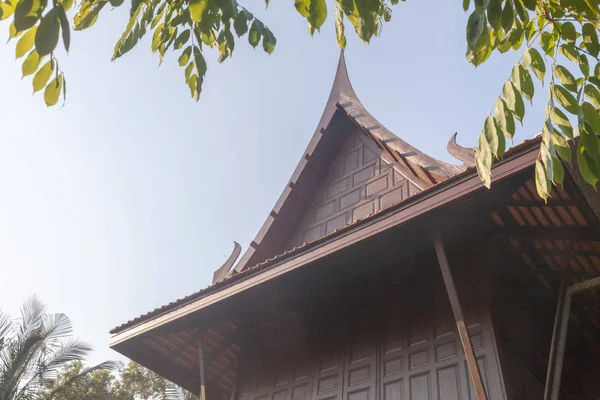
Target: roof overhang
516	160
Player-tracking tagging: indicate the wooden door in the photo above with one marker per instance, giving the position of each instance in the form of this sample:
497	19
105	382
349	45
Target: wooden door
360	369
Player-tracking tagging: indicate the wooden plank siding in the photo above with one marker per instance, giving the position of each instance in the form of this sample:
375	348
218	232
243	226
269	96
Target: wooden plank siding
413	355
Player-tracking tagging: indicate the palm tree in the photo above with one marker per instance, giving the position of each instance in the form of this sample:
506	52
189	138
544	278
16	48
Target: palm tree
34	348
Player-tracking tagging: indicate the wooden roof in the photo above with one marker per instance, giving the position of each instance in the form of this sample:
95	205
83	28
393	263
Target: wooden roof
304	182
166	339
516	159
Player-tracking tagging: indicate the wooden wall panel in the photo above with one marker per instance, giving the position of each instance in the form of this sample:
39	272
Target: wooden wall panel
418	356
359	182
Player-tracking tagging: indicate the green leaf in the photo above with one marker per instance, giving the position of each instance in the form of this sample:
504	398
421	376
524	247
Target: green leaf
240	24
254	35
530	4
25	43
542	183
491	134
465	5
569	51
483	161
182	39
6	10
116	3
157	37
592	94
514	101
268	41
591	117
46	37
588	166
590	142
504	118
42	76
482	50
188	71
12	32
494	13
317	13
561	146
31	63
475	26
516	38
569	34
65	27
584	66
529	30
302	7
547	42
590	39
199	61
87	16
27	13
505	44
523	82
364	23
565	99
508	16
597	71
481	5
521	12
52	92
562	121
121	47
197	8
546	152
566	78
537	63
558	172
135	5
184	58
339	28
66	4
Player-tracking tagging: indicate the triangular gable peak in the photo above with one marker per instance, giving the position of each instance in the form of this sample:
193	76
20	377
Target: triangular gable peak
353	166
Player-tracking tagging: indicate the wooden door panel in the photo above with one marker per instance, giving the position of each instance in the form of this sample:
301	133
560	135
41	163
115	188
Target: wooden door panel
409	361
329	375
360	369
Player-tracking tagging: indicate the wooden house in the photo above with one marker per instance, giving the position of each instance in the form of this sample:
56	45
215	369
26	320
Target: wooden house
384	274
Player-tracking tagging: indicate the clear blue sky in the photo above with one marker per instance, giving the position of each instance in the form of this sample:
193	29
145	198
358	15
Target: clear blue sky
131	195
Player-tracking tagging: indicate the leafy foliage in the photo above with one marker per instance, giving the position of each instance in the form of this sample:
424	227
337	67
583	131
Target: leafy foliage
131	382
183	26
558	36
34	348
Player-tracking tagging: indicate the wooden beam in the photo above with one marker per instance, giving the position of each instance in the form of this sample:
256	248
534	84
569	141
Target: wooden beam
577	233
201	361
463	331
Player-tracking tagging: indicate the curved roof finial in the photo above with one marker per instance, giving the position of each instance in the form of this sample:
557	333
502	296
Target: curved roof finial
464	154
341	82
223	270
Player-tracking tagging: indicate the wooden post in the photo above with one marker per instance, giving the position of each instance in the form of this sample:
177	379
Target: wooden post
463	332
201	362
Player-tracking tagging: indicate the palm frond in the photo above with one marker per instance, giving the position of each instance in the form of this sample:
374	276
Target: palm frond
6	328
33	312
73	350
175	392
18	360
57	326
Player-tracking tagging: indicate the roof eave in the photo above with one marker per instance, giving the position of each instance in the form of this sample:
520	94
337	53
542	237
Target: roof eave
516	159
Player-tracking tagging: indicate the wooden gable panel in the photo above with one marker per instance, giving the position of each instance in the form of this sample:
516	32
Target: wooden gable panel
360	181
